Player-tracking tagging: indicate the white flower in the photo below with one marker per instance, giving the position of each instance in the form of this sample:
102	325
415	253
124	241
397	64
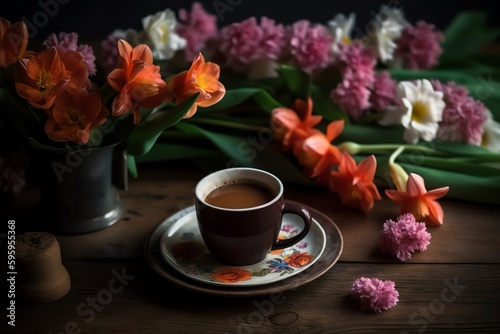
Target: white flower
341	29
389	24
420	111
161	36
491	134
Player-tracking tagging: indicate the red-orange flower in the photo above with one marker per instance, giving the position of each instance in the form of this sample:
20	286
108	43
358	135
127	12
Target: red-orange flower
298	260
317	154
137	79
354	184
291	126
41	77
76	65
201	78
231	275
13	41
418	201
74	115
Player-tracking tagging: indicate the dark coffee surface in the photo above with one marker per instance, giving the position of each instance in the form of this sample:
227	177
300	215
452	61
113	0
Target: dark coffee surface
239	196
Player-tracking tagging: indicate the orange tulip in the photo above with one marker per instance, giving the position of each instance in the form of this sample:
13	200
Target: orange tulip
316	153
74	114
76	65
13	41
290	126
137	79
354	184
41	77
201	78
418	201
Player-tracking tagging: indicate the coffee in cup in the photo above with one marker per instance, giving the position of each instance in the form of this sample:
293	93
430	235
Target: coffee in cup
240	212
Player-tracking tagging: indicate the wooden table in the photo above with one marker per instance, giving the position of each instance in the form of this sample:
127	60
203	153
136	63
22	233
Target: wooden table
453	287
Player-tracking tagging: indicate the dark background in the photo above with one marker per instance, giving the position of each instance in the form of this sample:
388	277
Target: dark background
95	19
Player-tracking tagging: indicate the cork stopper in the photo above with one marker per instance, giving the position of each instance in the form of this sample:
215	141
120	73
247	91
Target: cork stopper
42	278
32	243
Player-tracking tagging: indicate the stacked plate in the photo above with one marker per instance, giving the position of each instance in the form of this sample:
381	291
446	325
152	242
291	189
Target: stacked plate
175	250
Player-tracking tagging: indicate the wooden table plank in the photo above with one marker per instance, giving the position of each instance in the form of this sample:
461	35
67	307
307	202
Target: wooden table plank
433	297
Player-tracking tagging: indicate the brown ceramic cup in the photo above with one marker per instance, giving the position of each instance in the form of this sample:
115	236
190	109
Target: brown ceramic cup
244	236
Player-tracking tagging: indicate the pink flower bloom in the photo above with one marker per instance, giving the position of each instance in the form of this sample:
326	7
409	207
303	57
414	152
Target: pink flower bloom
463	117
64	42
419	47
383	93
404	236
109	53
273	39
196	27
245	42
356	64
352	97
310	46
374	294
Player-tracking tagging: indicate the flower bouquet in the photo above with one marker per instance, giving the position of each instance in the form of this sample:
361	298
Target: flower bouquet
76	125
56	100
401	106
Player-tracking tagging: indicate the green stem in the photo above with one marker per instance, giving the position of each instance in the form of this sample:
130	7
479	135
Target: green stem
354	148
224	123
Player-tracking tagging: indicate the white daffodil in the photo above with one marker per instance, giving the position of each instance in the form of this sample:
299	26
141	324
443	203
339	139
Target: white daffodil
388	26
161	36
420	111
491	133
341	29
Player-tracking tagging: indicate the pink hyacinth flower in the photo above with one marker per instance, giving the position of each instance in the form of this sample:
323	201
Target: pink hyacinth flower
404	236
463	116
383	92
419	47
374	294
196	27
356	64
64	42
310	46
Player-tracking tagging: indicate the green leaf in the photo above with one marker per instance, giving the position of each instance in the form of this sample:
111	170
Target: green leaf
473	188
131	165
237	96
143	136
456	149
371	134
252	151
165	152
298	81
324	106
466	35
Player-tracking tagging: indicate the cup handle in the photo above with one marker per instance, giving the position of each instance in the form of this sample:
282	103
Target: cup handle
306	217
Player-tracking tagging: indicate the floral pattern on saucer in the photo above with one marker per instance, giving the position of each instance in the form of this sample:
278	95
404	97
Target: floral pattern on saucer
183	248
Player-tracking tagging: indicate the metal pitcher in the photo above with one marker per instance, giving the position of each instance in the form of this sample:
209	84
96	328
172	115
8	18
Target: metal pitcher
78	188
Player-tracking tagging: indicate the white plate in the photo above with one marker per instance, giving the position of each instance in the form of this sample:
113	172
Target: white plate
182	247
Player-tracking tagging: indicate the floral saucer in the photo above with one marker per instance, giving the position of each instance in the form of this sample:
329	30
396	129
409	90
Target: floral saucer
182	247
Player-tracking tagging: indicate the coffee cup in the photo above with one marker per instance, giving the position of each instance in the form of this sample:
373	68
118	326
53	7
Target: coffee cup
240	213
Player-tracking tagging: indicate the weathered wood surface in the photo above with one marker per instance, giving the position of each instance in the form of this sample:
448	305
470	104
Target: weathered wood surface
452	287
